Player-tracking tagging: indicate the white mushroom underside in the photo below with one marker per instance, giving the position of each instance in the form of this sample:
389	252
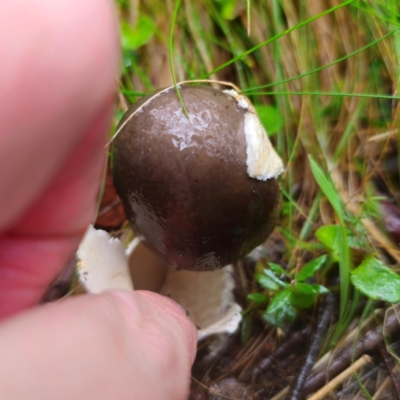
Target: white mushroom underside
262	160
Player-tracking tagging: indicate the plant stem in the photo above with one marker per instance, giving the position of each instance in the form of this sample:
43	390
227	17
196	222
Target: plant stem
171	66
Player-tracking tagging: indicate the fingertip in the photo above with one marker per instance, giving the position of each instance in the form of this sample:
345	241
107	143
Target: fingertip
172	312
113	345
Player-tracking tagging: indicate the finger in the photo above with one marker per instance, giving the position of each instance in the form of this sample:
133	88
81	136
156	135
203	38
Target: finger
59	60
119	345
34	252
66	108
30	261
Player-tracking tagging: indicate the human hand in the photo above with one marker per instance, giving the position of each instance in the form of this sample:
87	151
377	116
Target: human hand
59	59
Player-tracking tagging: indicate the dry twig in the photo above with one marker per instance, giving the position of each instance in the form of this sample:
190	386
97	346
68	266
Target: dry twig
340	378
343	358
297	339
388	363
326	310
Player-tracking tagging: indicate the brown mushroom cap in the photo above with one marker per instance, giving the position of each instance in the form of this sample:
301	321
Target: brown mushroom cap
184	185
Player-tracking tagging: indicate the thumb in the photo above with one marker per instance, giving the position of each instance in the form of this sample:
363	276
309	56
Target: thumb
117	345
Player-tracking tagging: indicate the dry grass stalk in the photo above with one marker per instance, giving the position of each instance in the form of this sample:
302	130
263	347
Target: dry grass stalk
341	378
384	386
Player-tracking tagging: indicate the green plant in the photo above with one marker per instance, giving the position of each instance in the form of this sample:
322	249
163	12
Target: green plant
286	295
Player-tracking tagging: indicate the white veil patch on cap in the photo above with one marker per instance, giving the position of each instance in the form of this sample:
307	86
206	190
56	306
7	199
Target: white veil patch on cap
263	162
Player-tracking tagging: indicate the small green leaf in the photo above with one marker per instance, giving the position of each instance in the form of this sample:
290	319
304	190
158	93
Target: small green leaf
303	295
280	309
303	300
311	268
319	289
377	281
270	118
277	269
267	282
257	297
274	278
133	38
329	236
304	288
328	188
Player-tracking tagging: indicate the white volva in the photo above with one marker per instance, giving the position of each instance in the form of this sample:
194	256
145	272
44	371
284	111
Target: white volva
262	160
102	263
208	297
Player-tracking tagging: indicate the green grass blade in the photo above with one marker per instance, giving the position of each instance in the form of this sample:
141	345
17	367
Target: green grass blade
286	32
361	95
315	70
248	18
329	190
344	271
171	66
327	187
397	52
132	92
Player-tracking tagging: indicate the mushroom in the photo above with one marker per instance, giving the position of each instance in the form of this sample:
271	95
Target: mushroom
202	190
